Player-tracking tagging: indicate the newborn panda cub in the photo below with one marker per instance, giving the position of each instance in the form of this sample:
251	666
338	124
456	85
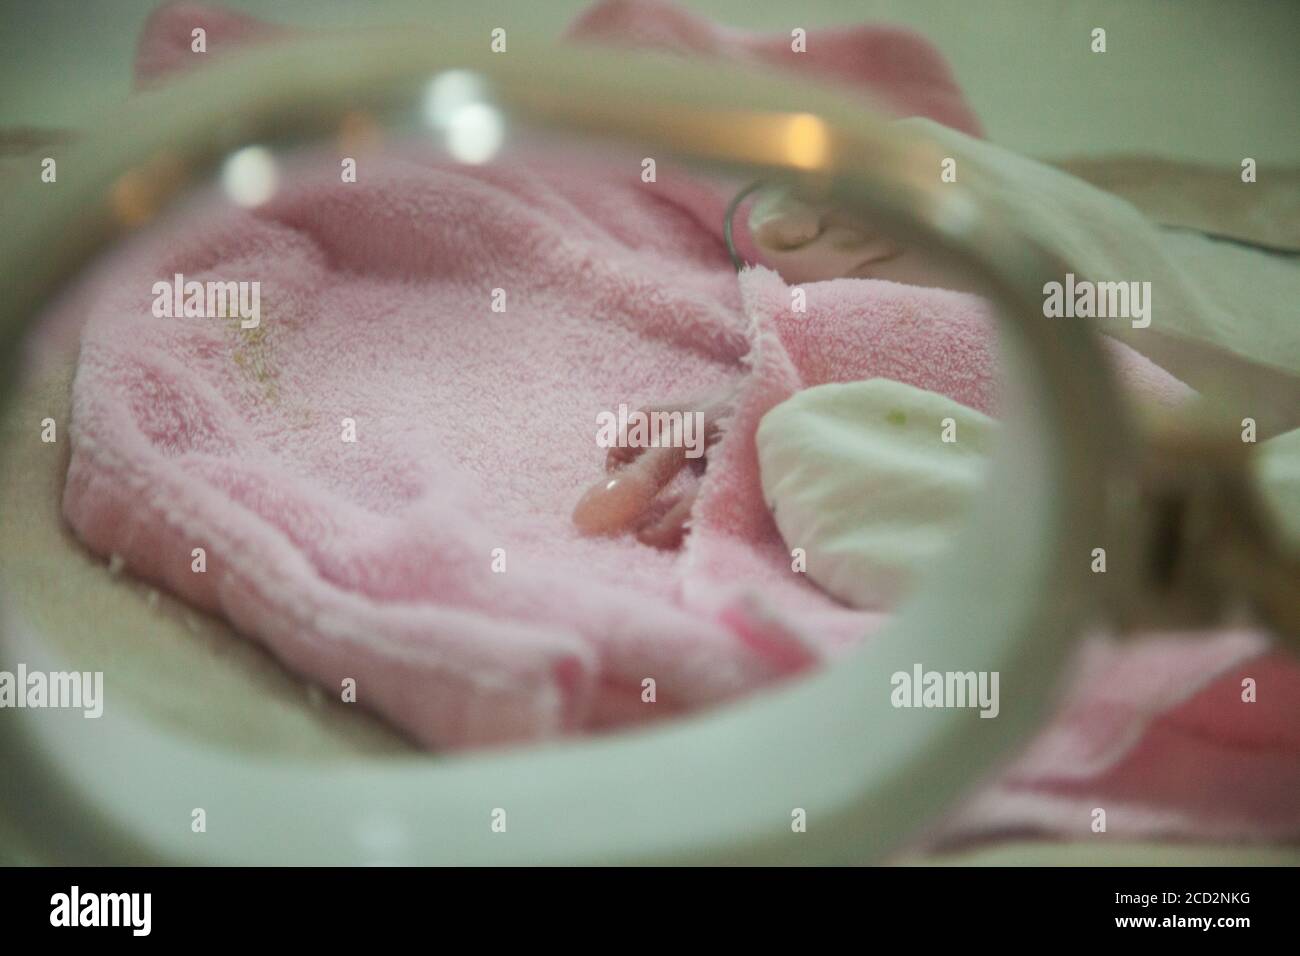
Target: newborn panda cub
804	243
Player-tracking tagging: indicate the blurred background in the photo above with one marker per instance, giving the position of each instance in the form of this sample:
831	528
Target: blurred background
1187	79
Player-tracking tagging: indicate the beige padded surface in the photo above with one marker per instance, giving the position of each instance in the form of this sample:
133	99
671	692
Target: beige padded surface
1206	198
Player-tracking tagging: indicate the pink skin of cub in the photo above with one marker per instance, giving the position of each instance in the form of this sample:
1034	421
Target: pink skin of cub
635	476
804	243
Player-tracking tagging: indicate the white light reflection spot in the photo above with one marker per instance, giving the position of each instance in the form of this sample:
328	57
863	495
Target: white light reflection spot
456	105
475	133
250	176
451	91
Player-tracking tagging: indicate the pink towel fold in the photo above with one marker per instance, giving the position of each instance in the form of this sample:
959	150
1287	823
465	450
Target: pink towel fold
900	70
433	561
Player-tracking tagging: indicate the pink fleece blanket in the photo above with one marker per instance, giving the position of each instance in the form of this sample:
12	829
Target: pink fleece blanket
432	559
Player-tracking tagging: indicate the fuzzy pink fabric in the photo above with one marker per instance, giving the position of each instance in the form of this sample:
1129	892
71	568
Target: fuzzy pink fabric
167	41
900	70
1160	737
475	431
